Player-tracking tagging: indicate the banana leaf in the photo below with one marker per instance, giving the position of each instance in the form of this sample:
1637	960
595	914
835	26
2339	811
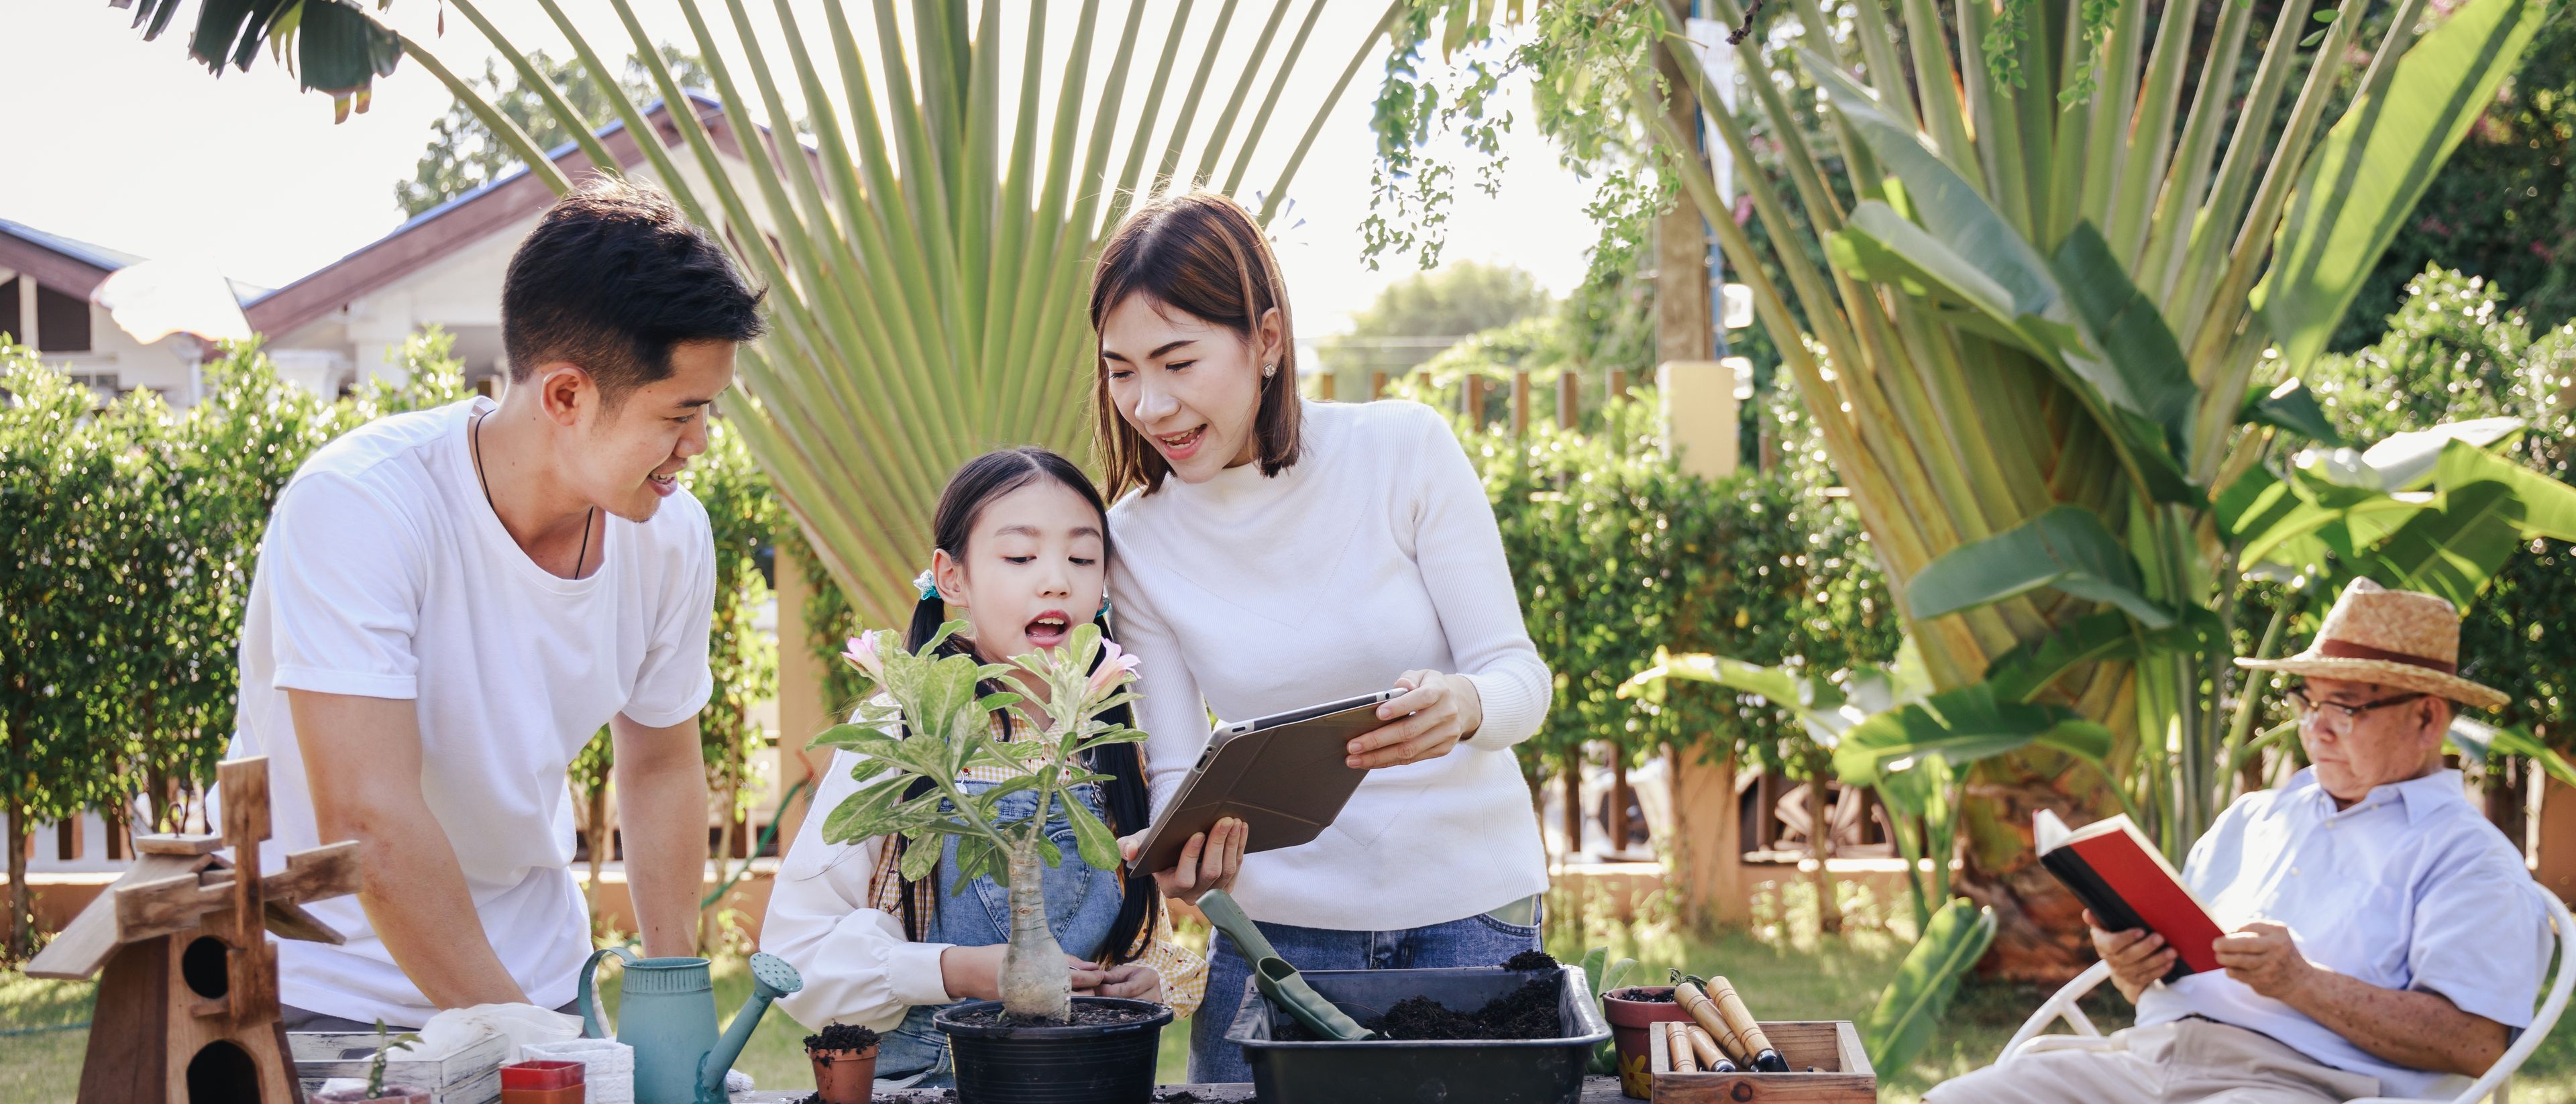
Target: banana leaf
1909	1009
2066	548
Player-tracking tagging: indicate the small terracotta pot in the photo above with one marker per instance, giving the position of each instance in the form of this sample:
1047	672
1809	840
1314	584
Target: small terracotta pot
844	1076
1630	1019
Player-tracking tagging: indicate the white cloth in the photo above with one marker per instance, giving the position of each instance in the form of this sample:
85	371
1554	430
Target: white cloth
1377	553
2411	888
385	574
522	1024
607	1067
858	967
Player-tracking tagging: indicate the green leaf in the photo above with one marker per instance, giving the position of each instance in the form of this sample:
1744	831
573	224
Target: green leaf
921	857
1099	846
2358	186
2065	547
2291	406
2548	506
2024	672
1962	726
2149	376
1909	1009
2479	743
2454	551
1816	702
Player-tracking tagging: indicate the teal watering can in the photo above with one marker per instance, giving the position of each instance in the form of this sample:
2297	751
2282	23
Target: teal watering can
668	1014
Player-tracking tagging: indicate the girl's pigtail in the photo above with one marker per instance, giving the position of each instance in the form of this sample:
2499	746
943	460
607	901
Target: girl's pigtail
1130	807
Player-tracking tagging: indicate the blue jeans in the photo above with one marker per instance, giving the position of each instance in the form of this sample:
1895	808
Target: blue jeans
1082	902
1475	941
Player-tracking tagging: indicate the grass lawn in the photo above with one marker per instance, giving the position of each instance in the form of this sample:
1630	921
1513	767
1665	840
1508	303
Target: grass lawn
1782	968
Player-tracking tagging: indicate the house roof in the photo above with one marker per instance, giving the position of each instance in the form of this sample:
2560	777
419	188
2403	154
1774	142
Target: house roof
75	267
437	232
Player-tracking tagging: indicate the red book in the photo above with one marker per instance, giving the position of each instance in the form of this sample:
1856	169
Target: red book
2119	874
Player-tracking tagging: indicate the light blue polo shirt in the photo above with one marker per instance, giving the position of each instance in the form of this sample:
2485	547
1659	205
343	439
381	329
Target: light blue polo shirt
2410	888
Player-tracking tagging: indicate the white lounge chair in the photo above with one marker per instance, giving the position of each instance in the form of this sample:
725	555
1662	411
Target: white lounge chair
2457	1090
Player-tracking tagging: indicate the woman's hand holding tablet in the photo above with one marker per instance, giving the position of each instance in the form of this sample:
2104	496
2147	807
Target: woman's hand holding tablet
1209	861
1435	712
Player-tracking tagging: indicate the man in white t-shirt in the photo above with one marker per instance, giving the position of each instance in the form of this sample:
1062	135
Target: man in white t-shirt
450	603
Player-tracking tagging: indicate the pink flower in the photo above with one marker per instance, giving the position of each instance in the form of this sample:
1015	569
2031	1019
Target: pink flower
1116	667
862	654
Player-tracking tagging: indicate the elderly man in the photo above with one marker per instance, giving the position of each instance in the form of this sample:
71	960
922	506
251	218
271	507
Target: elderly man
2384	933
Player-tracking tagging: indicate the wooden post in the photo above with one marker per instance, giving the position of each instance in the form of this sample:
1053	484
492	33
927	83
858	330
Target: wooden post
1569	400
119	848
252	963
1698	399
1572	815
1616	821
1377	386
1618	385
802	712
1324	386
1520	403
67	838
2554	860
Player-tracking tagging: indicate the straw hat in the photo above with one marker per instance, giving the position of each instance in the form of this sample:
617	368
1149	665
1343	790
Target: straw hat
2391	637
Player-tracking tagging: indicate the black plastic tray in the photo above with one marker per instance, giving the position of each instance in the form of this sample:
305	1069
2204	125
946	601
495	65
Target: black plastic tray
1486	1071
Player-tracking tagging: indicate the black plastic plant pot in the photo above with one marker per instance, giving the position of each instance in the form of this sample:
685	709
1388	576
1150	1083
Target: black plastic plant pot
1005	1063
1381	1071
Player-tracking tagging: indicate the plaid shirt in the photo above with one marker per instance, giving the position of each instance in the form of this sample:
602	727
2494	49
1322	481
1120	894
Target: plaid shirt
1183	971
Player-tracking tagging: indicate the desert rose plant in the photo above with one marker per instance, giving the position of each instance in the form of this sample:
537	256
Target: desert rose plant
933	722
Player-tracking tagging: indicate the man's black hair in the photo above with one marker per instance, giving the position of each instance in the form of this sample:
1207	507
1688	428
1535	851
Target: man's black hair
610	279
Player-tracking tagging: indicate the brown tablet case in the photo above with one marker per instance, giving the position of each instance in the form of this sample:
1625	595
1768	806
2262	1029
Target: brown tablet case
1286	781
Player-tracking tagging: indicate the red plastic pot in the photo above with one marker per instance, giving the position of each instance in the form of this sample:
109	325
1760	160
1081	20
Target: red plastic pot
1630	1018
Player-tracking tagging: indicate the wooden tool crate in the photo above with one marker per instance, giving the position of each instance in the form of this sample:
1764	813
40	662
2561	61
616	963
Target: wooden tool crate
1830	1047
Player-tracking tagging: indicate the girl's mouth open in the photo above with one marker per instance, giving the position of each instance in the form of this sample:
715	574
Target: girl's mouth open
1181	446
1049	630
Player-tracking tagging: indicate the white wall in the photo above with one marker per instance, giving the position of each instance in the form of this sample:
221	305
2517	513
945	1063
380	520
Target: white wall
163	365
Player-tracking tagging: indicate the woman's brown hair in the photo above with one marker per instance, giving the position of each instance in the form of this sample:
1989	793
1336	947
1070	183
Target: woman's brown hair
1200	253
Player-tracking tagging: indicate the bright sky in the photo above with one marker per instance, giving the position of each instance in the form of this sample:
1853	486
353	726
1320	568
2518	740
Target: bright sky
129	145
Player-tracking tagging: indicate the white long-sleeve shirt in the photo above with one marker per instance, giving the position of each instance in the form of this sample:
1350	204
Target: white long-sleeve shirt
1375	554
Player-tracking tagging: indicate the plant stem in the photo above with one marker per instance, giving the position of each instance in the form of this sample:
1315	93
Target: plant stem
1037	987
2243	725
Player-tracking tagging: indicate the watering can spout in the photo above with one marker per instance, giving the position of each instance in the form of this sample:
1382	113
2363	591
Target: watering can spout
771	978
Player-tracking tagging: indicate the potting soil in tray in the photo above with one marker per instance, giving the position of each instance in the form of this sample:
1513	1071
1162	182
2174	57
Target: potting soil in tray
1531	960
1529	1012
1084	1015
841	1036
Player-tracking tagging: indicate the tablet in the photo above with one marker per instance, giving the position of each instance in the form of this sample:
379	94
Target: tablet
1285	775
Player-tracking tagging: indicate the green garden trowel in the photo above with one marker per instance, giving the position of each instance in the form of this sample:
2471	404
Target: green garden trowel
1276	979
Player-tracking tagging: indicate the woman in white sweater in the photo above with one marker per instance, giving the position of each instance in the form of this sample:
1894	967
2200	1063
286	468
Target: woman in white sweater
1278	553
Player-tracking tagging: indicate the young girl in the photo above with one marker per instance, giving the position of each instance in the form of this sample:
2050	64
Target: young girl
1022	550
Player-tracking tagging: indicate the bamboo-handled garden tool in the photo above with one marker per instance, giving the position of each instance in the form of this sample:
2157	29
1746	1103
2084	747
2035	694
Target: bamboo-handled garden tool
1677	1046
1277	979
1703	1011
1711	1060
1747	1030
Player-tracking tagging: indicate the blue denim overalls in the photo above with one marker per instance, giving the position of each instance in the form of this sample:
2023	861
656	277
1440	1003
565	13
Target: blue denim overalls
1082	903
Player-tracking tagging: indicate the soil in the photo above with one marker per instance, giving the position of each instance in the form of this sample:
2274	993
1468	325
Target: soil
1531	960
841	1036
1084	1015
1643	996
1529	1012
1176	1096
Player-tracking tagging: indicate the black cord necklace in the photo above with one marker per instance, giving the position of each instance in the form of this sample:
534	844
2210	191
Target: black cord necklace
474	436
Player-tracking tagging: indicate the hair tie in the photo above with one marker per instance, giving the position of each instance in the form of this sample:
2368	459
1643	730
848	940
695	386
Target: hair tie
928	586
1104	608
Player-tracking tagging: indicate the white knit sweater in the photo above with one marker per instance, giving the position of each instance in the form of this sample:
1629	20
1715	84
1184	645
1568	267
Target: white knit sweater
1374	555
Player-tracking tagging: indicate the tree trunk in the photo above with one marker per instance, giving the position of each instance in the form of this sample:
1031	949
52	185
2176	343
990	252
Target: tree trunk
2039	926
1571	781
22	934
1617	818
1036	985
1820	846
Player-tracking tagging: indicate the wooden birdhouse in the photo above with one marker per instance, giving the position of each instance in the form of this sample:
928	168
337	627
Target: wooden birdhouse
187	1008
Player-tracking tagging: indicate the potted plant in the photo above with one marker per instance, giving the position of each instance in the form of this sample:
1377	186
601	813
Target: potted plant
1038	1037
845	1063
386	1045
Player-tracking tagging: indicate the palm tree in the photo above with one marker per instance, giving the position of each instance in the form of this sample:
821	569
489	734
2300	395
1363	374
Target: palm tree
930	249
2055	343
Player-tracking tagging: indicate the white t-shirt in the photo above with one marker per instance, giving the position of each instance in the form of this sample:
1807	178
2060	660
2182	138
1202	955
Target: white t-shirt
385	574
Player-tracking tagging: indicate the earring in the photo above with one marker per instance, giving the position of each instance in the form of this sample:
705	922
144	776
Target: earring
1270	369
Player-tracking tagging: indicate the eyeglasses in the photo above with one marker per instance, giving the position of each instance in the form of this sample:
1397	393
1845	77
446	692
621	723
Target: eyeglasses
2336	714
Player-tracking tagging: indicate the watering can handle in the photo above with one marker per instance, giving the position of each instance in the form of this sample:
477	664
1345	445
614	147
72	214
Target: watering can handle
588	1000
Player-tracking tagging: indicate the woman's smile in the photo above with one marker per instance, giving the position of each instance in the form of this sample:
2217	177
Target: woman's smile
1177	447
